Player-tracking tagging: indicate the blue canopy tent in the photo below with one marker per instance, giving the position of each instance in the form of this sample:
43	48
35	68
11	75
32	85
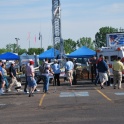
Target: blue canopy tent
82	52
50	54
9	56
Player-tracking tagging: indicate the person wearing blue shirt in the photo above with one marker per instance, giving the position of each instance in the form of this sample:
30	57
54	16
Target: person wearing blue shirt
5	75
102	70
69	66
2	81
56	70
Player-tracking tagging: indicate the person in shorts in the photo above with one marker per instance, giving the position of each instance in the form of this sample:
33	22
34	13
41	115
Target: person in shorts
102	70
69	66
30	78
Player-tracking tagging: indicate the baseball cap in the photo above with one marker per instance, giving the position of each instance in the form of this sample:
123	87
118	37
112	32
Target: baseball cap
31	62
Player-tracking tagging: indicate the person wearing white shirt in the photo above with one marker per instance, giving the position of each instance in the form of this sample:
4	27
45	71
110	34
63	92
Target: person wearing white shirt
30	78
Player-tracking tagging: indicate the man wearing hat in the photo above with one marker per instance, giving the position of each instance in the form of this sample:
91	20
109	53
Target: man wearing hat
30	78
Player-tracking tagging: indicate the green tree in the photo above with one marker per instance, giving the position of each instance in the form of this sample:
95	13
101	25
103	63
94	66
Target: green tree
3	50
12	48
69	46
36	51
21	51
100	37
85	41
49	47
57	46
8	47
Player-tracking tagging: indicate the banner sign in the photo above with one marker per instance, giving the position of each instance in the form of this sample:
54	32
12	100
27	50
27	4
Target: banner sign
115	39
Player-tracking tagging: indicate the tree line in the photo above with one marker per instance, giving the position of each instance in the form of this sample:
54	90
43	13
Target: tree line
69	44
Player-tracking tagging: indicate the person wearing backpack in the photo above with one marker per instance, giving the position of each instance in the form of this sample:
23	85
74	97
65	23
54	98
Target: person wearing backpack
41	70
46	73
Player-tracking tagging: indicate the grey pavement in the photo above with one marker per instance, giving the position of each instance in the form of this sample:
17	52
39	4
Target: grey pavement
78	104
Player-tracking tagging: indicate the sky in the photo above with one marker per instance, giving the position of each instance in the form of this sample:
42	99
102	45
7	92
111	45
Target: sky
79	18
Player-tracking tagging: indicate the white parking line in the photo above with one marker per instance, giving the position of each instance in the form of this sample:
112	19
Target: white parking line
73	94
121	93
2	104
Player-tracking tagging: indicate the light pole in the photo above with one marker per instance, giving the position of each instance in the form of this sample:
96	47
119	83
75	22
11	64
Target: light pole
40	38
121	29
17	44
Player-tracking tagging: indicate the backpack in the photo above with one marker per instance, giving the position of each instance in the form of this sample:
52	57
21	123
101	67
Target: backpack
42	68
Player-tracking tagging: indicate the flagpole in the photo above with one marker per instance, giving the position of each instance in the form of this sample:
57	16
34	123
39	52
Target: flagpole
29	40
41	41
40	38
29	43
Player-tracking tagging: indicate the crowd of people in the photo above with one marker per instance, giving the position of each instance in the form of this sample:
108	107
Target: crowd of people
46	70
99	68
3	78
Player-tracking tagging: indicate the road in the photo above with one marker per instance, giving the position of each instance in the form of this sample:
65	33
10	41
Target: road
82	103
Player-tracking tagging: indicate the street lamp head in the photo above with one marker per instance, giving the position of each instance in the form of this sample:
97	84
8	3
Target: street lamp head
17	38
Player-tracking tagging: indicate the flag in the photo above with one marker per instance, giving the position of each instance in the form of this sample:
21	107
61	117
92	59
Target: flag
28	38
39	35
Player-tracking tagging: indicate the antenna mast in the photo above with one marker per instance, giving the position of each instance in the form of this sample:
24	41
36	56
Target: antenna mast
56	27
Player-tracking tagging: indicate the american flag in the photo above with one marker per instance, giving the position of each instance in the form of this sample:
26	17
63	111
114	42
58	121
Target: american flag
28	38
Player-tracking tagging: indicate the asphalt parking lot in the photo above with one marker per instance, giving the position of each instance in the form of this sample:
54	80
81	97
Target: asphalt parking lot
78	104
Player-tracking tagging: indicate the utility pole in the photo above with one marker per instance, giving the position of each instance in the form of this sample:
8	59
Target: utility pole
121	29
29	40
17	39
56	26
40	38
